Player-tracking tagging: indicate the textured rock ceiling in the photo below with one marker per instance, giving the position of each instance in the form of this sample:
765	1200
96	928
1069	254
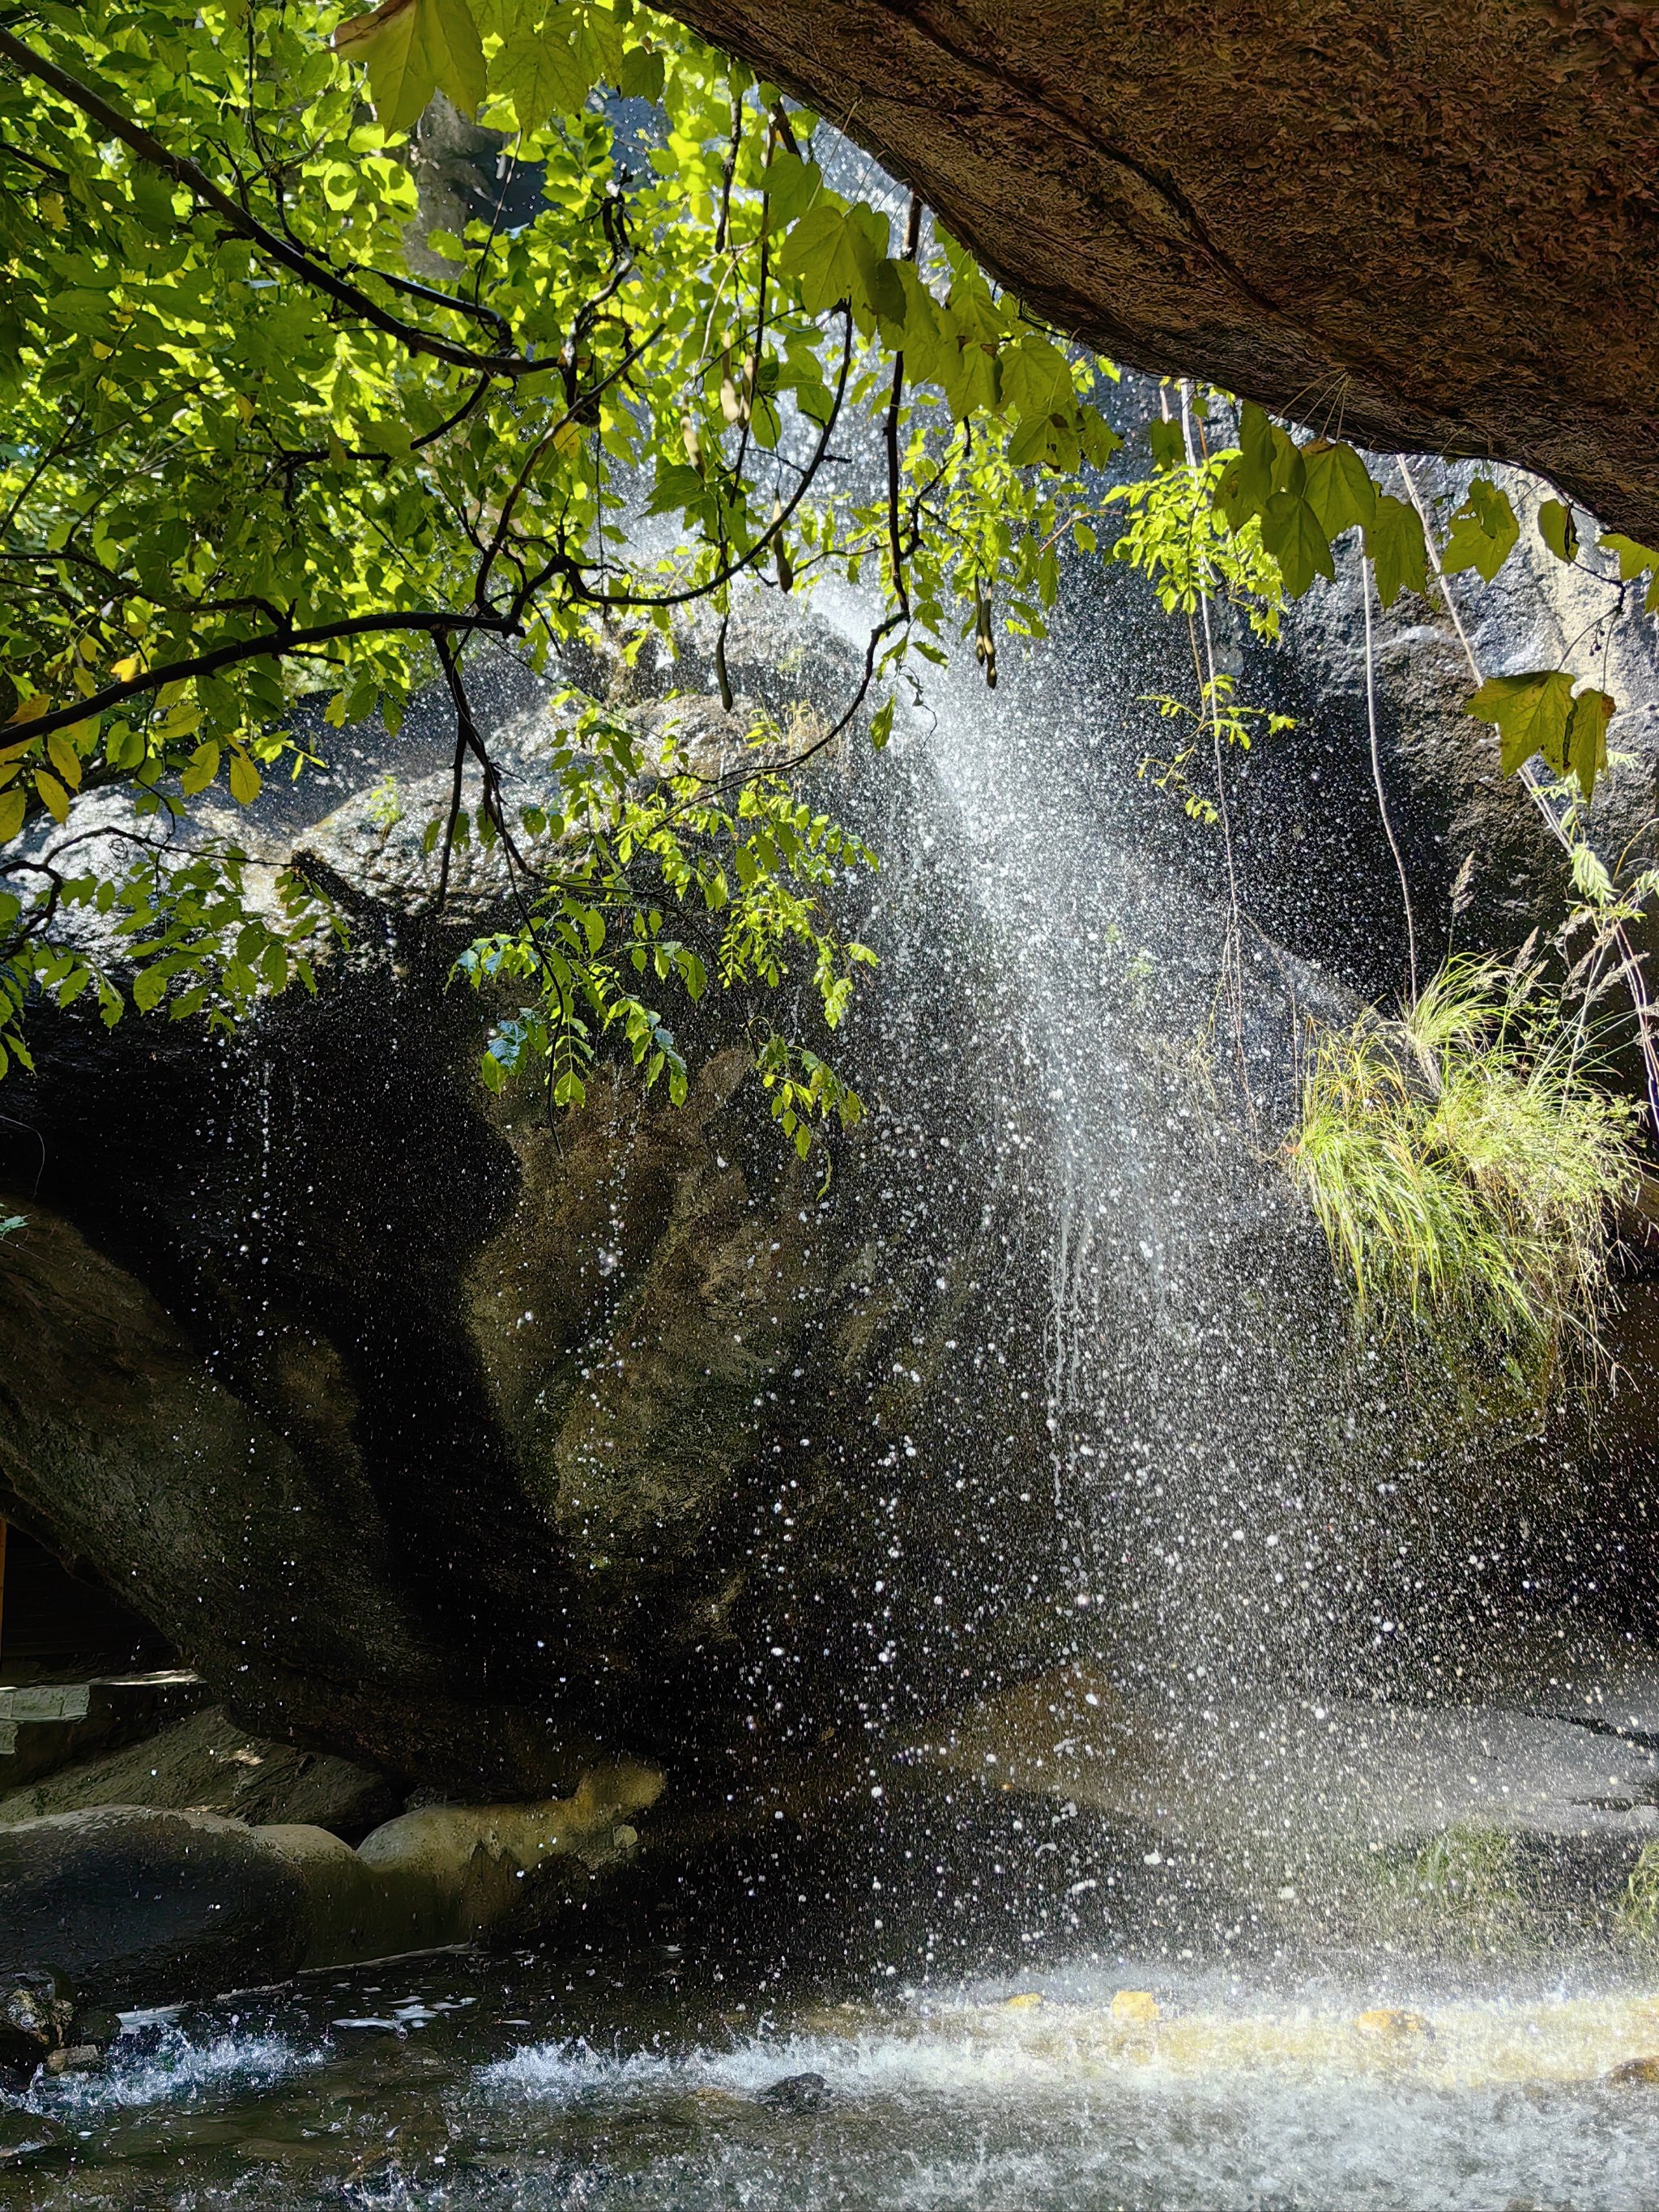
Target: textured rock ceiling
1436	226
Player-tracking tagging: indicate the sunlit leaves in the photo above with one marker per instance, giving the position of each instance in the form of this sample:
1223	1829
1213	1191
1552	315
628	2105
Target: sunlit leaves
1178	538
791	183
1482	531
1585	753
539	68
1633	560
1530	713
401	79
411	49
606	930
1291	533
244	778
1537	715
454	52
1339	487
1398	553
1558	529
833	253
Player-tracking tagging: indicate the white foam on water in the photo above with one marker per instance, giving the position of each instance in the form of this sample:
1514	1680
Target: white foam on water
857	2065
1013	2111
176	2072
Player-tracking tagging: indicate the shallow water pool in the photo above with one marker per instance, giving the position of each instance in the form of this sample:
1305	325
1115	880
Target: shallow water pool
456	2082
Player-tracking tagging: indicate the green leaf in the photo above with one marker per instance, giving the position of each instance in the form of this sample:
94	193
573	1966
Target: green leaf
881	723
149	989
1633	559
791	184
1291	533
401	78
1530	713
1169	447
54	795
453	54
1257	459
13	806
1339	488
1394	543
829	258
65	759
243	777
202	769
1558	529
1484	532
539	70
641	74
1587	737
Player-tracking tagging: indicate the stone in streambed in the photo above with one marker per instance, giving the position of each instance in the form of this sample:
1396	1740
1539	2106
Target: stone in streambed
74	2058
1634	2074
1388	2024
131	1900
25	2135
37	2009
143	1904
797	2093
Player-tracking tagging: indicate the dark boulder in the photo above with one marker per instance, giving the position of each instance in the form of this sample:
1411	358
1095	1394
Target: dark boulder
129	1901
797	2093
27	2137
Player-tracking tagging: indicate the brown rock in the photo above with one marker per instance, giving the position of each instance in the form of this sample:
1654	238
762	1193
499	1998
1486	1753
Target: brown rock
1287	200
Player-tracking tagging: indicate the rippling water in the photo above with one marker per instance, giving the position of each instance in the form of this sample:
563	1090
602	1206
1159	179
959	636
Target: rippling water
464	2083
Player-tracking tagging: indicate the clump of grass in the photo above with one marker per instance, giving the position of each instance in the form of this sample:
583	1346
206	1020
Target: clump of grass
1463	1887
1463	1163
1638	1908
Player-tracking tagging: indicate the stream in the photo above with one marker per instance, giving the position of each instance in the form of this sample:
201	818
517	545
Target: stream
458	2080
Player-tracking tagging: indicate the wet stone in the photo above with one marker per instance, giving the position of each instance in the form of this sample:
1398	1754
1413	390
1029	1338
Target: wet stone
797	2093
96	2026
75	2058
25	2135
1635	2074
37	2006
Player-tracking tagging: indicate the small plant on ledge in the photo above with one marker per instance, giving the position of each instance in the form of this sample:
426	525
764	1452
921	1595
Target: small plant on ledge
1464	1165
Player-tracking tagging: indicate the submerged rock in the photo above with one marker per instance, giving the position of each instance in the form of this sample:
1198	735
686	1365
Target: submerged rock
1388	2024
797	2093
27	2136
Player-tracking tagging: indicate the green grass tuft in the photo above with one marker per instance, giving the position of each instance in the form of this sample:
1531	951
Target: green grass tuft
1463	1163
1638	1908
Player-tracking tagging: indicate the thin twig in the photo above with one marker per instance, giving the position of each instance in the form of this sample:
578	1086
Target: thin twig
1377	771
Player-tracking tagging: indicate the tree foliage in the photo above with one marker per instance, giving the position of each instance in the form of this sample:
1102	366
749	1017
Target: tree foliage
253	459
269	469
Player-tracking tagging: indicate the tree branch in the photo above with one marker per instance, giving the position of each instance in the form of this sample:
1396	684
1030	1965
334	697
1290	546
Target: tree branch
295	258
274	643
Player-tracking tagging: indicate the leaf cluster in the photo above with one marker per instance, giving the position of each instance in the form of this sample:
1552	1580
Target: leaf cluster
1463	1165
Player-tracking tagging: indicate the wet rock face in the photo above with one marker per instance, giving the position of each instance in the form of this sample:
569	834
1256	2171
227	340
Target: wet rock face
1284	201
126	1901
465	1446
462	1445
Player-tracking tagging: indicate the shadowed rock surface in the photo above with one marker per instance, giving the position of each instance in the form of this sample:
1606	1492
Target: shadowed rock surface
137	1904
1434	228
463	1446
